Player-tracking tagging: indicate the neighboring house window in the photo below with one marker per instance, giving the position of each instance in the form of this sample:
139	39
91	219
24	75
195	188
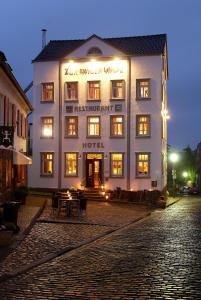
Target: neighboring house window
71	127
48	92
143	89
8	173
117	126
1	110
71	164
142	125
118	89
47	127
94	51
93	126
47	164
116	164
71	91
143	164
94	90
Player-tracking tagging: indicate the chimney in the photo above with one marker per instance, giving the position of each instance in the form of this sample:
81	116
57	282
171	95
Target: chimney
43	37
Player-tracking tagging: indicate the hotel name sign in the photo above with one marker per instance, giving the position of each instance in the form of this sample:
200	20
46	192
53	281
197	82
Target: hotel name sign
91	71
95	108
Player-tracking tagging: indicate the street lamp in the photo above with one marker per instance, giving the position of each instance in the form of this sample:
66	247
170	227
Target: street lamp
174	157
185	174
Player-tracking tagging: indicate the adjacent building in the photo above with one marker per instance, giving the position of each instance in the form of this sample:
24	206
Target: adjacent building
14	109
100	111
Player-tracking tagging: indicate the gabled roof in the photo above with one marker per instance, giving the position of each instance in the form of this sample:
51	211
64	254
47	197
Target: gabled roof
8	71
137	45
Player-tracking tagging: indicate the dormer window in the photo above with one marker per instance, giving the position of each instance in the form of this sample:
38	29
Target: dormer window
94	51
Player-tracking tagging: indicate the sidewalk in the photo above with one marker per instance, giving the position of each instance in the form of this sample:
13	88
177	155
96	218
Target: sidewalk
27	215
172	200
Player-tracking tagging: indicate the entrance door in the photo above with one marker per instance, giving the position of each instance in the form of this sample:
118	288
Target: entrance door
93	170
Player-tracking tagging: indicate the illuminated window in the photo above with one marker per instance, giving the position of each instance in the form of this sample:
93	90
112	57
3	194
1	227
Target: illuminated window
71	164
142	125
118	89
71	91
93	126
47	127
143	164
143	89
116	164
48	92
94	90
47	166
71	129
117	126
94	51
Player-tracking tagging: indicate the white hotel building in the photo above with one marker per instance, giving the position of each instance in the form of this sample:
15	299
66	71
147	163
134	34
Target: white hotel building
100	110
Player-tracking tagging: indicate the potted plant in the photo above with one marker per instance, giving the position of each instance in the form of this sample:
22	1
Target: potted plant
21	194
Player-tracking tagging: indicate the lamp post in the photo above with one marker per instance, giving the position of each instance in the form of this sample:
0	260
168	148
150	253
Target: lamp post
174	158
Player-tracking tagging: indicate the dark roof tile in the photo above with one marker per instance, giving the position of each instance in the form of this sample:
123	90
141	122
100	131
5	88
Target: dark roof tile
138	45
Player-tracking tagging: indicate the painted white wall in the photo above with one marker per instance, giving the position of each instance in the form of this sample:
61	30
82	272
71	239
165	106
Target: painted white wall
142	67
147	67
44	72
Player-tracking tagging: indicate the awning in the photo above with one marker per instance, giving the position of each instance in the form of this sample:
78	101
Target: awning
21	159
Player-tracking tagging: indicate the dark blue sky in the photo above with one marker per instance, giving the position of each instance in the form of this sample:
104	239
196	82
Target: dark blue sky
20	36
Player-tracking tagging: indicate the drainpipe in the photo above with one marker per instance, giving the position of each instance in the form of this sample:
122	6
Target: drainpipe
128	123
27	130
60	128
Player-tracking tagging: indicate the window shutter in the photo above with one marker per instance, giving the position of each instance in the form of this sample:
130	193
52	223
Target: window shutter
7	111
21	125
26	128
18	122
1	110
14	115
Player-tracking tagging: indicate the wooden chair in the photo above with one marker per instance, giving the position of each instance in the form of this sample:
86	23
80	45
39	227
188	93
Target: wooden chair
75	208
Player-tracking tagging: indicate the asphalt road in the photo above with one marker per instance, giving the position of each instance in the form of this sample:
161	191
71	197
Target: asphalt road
156	258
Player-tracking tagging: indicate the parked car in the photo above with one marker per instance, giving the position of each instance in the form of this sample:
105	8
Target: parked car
185	190
193	191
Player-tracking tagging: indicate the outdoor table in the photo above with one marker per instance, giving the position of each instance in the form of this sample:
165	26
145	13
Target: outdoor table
67	202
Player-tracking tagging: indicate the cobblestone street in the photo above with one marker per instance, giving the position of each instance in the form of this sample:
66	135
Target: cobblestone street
157	258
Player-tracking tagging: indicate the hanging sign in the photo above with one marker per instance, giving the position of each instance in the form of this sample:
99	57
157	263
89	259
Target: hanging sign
6	136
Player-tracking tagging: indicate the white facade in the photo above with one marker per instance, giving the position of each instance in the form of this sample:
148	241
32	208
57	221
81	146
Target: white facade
111	65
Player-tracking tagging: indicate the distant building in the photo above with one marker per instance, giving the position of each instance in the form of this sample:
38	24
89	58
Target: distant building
14	107
100	110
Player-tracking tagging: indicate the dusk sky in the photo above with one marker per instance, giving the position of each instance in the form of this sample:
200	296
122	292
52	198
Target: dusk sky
20	35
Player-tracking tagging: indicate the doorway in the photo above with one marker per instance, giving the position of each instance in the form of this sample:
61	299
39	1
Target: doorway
94	170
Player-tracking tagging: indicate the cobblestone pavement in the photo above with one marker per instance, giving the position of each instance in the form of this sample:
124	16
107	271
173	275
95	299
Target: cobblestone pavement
156	258
48	238
103	213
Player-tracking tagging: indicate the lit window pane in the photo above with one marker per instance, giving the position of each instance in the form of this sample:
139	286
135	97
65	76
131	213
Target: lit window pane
117	164
143	125
48	92
117	126
94	90
93	126
71	164
143	89
47	164
47	127
118	89
143	165
71	91
71	126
